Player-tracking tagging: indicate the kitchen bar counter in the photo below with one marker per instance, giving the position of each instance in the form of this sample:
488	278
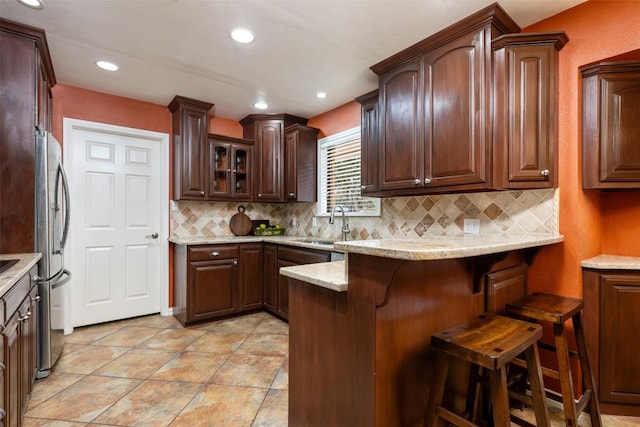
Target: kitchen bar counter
9	277
376	332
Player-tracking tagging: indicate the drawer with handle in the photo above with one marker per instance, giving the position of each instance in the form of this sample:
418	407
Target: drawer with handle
213	252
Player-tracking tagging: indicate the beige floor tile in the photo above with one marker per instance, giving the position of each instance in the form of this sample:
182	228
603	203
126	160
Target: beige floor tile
173	339
248	370
84	400
222	406
152	403
224	343
245	324
153	321
272	326
70	348
53	384
88	359
195	367
90	334
128	336
136	363
281	380
39	422
266	345
274	410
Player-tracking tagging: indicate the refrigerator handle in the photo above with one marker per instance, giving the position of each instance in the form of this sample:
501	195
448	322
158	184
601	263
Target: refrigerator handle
64	278
67	206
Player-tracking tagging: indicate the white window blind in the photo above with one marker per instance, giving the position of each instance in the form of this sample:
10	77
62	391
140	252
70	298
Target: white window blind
339	176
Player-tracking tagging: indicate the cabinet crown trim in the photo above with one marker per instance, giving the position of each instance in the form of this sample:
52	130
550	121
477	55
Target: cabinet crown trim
493	15
557	38
183	101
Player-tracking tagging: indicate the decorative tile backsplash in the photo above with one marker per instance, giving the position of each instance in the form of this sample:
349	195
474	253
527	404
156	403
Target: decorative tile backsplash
527	211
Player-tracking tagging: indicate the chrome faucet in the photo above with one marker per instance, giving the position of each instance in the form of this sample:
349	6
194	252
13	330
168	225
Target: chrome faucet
345	225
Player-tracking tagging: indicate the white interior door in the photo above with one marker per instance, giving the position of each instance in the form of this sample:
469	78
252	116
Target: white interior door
117	248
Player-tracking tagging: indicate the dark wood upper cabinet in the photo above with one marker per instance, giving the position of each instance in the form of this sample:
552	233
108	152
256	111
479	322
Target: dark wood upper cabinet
611	123
267	130
369	141
525	123
189	148
229	168
434	109
26	79
301	172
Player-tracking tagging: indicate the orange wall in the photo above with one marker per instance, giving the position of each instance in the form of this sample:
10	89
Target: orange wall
591	222
337	120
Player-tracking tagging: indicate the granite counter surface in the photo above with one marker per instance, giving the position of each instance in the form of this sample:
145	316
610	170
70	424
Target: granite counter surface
304	242
612	262
446	247
330	275
11	276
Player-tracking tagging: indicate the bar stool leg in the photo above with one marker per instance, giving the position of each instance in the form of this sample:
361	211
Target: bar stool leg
564	371
537	386
437	390
587	375
500	398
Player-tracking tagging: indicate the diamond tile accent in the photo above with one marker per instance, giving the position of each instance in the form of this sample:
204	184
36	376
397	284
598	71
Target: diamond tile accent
530	211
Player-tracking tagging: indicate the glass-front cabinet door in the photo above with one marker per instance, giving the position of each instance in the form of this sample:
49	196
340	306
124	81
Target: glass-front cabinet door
229	176
240	177
219	169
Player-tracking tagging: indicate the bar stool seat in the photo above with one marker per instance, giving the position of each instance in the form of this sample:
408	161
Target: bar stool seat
489	341
558	310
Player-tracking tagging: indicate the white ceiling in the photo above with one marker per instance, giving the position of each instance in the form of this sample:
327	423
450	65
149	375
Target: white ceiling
169	47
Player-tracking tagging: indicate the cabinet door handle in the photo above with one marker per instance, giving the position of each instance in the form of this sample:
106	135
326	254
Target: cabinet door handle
544	172
35	278
24	317
427	180
363	187
235	171
2	414
292	195
235	262
417	181
202	193
36	298
259	194
215	253
2	367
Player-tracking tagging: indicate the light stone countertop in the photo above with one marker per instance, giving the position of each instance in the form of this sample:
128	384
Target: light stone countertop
300	241
330	275
334	275
446	247
11	276
612	262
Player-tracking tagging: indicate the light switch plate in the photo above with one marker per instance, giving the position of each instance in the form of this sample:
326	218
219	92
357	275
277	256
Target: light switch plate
471	226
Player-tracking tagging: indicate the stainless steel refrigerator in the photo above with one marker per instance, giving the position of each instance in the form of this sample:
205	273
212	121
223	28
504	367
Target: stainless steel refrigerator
52	229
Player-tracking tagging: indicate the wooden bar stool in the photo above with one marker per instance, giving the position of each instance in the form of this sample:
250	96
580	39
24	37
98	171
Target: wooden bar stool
557	310
488	341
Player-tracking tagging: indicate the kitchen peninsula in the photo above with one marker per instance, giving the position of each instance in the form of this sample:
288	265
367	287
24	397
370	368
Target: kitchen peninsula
360	355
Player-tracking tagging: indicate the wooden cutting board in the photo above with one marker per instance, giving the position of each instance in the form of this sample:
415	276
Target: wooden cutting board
240	224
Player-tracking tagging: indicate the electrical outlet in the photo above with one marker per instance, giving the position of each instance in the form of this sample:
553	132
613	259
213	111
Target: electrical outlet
314	221
471	226
294	222
174	206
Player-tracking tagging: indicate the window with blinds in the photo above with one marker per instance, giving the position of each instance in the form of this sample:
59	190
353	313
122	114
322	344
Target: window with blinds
339	176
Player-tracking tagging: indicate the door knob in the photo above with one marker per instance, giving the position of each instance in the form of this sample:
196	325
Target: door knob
152	236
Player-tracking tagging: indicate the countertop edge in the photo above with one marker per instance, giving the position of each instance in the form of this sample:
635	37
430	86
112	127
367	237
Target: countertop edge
329	275
13	274
299	241
612	262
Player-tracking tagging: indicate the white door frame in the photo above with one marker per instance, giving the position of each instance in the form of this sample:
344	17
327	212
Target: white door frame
70	125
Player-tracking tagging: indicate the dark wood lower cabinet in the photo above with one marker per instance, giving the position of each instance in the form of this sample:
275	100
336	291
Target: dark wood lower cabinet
18	346
214	281
612	322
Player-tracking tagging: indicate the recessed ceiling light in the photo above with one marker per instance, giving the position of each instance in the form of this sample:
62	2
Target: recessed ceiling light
321	95
33	4
106	65
261	105
242	35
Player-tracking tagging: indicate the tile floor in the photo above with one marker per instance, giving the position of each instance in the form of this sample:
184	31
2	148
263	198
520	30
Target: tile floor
150	371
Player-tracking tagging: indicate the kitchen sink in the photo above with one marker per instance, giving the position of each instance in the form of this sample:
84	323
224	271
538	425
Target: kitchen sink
316	241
